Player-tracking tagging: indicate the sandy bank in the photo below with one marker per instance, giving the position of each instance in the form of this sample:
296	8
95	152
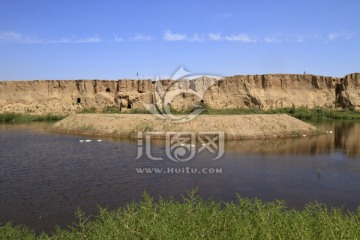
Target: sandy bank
234	126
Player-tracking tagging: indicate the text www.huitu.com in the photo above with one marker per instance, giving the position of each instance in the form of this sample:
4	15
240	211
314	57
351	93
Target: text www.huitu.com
182	170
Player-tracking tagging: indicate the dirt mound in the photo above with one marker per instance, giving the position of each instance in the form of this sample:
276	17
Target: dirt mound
234	126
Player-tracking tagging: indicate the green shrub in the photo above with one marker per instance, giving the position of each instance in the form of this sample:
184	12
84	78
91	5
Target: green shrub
23	118
195	218
111	109
88	110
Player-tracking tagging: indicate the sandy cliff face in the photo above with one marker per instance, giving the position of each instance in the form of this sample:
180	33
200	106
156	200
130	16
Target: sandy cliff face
54	96
274	91
259	91
348	91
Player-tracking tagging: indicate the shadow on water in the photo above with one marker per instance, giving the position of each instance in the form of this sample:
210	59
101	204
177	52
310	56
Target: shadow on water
45	177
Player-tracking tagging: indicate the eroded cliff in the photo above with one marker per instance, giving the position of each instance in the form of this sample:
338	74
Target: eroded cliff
243	91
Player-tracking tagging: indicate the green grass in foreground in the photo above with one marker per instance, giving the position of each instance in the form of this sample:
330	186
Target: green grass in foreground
24	118
194	218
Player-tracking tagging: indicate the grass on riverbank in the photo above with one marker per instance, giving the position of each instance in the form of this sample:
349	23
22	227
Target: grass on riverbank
194	218
24	118
116	110
301	113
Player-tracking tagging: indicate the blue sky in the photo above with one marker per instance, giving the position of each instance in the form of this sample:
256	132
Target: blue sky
113	39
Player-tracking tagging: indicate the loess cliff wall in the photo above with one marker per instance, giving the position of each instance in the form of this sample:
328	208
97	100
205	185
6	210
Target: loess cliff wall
243	91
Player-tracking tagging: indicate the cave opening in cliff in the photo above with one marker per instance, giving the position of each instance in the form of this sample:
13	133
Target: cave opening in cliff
129	106
78	100
338	95
338	90
107	90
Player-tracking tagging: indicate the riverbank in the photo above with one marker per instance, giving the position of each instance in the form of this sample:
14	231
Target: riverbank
252	126
9	118
302	113
195	218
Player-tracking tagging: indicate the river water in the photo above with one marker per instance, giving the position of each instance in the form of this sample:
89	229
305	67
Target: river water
45	177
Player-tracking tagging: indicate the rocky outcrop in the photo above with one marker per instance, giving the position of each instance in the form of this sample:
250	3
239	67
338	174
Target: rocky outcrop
243	91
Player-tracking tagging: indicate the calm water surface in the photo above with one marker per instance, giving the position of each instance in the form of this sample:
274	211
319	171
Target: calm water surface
45	177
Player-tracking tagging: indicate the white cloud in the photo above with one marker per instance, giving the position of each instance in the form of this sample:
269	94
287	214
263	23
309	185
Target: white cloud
333	36
73	39
196	38
14	37
300	39
339	35
245	38
18	38
94	39
272	39
10	36
169	36
117	38
215	36
240	38
140	37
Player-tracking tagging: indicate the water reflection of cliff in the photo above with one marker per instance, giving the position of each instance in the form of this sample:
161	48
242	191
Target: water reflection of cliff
345	138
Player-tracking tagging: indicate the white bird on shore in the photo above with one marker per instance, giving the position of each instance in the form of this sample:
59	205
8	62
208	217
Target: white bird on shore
88	140
330	131
81	141
304	135
99	140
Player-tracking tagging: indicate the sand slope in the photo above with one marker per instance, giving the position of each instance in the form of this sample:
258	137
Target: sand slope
235	126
